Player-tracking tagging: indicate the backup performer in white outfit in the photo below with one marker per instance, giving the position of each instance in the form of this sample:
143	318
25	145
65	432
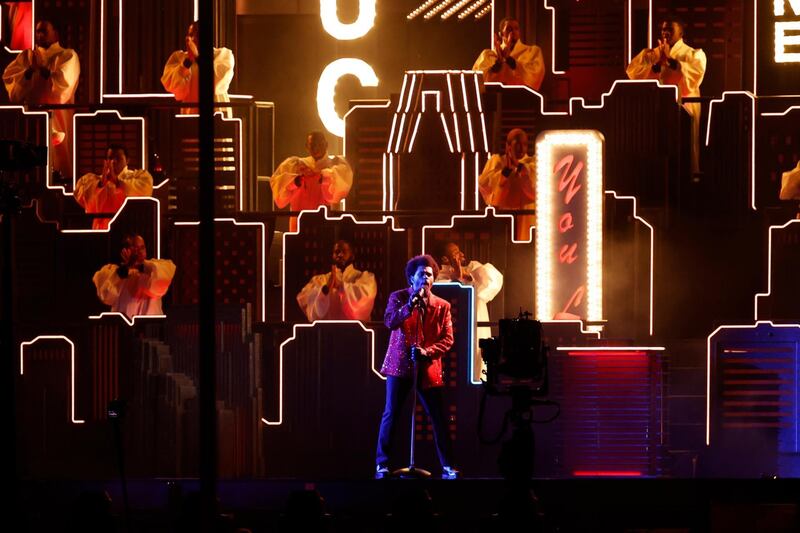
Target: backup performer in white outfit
507	181
45	75
182	78
135	285
483	277
105	193
309	182
511	61
344	293
673	62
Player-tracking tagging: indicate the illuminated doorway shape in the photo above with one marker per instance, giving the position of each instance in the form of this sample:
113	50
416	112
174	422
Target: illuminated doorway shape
25	344
569	231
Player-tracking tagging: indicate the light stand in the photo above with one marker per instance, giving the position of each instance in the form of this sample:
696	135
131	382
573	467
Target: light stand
412	472
115	412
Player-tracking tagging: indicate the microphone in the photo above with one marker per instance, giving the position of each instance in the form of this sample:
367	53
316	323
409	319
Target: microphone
418	300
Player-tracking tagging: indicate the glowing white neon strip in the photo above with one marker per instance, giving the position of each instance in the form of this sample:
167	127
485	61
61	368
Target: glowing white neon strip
553	38
400	133
527	89
402	93
130	321
649	24
478	91
458	134
463	183
471	135
71	368
378	104
593	144
383	182
438	96
603	96
347	32
583	330
483	131
391	181
708	363
103	112
471	325
411	91
782	113
446	132
755	47
391	133
394	143
371	332
241	152
450	91
196	10
769	265
652	246
327	217
488	211
119	213
263	254
414	133
477	177
464	93
752	137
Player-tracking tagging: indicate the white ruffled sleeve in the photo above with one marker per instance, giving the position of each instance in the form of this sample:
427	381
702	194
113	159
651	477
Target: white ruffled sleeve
108	284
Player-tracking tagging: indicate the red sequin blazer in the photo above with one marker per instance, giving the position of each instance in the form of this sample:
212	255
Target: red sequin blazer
435	335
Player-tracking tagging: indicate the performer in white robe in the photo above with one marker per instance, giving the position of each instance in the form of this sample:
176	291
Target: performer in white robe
181	76
790	185
483	277
136	285
511	61
673	62
507	181
105	193
309	182
47	75
344	293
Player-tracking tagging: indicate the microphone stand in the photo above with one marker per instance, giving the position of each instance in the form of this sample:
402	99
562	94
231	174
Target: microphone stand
412	472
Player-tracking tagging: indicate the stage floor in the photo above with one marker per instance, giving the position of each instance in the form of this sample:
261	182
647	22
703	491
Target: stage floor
461	505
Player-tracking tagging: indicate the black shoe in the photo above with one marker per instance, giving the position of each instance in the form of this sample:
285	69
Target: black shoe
382	472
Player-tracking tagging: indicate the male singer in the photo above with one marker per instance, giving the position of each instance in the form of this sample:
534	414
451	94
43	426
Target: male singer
421	321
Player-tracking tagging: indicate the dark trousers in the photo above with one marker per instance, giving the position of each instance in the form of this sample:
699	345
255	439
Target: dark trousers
397	390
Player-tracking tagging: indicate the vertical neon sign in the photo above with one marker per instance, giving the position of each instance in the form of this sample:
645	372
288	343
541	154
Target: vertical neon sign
569	232
326	87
